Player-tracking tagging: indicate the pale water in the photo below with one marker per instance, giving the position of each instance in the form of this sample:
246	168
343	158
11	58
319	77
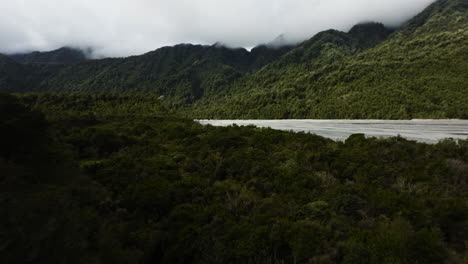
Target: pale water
429	131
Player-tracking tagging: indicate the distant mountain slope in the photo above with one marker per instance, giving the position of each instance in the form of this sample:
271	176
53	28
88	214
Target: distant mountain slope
183	73
63	55
332	44
265	54
420	71
11	75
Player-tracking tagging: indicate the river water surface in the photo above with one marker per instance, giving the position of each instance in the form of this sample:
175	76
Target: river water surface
429	131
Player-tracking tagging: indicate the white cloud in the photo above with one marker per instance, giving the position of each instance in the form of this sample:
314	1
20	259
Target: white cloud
128	27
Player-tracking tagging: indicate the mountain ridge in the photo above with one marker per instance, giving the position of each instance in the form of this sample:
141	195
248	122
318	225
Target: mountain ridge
183	72
415	71
418	72
64	55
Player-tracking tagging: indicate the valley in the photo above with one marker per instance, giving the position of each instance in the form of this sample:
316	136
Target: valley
417	71
349	147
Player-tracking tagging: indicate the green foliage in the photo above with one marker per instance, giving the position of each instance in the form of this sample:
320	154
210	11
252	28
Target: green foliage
111	182
396	242
418	72
180	75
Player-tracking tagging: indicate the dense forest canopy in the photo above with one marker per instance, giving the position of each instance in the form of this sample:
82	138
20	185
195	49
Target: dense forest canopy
417	72
87	178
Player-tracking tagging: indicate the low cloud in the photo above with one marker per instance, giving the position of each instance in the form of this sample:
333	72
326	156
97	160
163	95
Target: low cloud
130	27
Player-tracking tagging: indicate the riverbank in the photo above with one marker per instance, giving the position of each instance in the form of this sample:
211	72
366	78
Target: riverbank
421	130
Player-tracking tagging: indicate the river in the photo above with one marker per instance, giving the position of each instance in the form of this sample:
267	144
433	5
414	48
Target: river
428	131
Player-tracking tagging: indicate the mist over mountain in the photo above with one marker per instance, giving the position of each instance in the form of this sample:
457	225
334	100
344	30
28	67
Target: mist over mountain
370	71
183	73
419	71
122	28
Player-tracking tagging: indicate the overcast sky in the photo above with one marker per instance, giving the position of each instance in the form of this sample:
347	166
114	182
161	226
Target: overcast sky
129	27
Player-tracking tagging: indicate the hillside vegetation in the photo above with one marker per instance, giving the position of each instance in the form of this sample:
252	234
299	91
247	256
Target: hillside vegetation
63	55
183	73
416	71
420	71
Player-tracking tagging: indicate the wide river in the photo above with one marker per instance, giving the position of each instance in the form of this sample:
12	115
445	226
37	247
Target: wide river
429	131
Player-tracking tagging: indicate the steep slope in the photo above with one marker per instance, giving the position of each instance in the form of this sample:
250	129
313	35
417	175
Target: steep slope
331	45
265	54
419	72
183	73
16	77
261	95
63	55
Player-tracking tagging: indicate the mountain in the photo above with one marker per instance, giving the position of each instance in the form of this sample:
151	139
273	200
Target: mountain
419	71
275	83
265	54
184	73
63	55
416	71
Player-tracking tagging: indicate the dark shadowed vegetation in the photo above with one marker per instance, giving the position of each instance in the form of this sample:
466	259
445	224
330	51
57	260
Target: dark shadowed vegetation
118	179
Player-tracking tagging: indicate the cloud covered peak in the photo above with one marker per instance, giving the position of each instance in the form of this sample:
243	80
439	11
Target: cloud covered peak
129	27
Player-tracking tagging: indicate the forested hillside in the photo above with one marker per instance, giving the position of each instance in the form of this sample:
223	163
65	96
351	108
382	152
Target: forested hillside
418	72
183	73
415	71
19	78
11	75
63	55
109	178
